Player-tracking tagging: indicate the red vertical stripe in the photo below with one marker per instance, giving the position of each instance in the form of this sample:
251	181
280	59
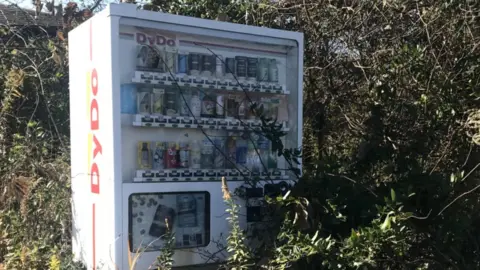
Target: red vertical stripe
93	205
93	233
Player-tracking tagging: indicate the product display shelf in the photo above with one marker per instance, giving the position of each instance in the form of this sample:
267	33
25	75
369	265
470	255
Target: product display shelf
206	175
141	120
165	79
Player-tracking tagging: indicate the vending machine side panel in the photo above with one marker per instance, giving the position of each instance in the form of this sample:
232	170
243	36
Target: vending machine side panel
81	204
91	116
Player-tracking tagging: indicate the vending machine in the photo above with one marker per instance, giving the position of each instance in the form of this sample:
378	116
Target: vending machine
162	108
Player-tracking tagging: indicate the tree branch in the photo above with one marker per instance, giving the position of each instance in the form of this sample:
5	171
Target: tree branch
463	194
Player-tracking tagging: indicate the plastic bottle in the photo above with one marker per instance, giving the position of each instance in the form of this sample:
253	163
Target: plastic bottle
195	155
207	154
273	71
219	153
184	102
195	104
208	105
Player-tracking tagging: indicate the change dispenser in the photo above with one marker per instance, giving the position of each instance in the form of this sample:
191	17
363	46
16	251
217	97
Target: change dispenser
161	110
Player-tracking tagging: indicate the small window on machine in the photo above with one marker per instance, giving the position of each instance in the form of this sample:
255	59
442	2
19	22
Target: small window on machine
151	215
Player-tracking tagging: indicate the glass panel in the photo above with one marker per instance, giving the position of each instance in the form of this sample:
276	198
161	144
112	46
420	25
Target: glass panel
187	213
201	98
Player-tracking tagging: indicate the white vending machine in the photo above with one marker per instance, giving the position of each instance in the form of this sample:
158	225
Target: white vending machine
162	107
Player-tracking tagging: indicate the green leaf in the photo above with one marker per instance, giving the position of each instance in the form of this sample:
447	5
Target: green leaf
386	224
393	195
453	179
314	237
353	235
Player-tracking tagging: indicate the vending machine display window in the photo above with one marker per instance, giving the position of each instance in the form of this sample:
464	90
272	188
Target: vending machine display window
151	215
189	87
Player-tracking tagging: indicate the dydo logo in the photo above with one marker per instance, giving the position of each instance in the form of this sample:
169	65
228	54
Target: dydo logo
156	39
94	145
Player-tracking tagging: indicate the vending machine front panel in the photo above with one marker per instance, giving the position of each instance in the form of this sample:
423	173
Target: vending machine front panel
183	103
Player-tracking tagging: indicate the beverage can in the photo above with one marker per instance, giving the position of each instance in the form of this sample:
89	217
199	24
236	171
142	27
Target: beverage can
194	63
219	66
220	106
182	64
252	68
230	65
241	152
171	101
231	151
231	107
171	155
184	155
207	65
207	154
241	66
213	63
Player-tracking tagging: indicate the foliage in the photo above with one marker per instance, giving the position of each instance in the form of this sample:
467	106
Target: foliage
240	255
165	259
35	195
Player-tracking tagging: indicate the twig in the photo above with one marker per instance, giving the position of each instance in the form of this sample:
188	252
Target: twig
95	5
463	194
353	181
468	156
